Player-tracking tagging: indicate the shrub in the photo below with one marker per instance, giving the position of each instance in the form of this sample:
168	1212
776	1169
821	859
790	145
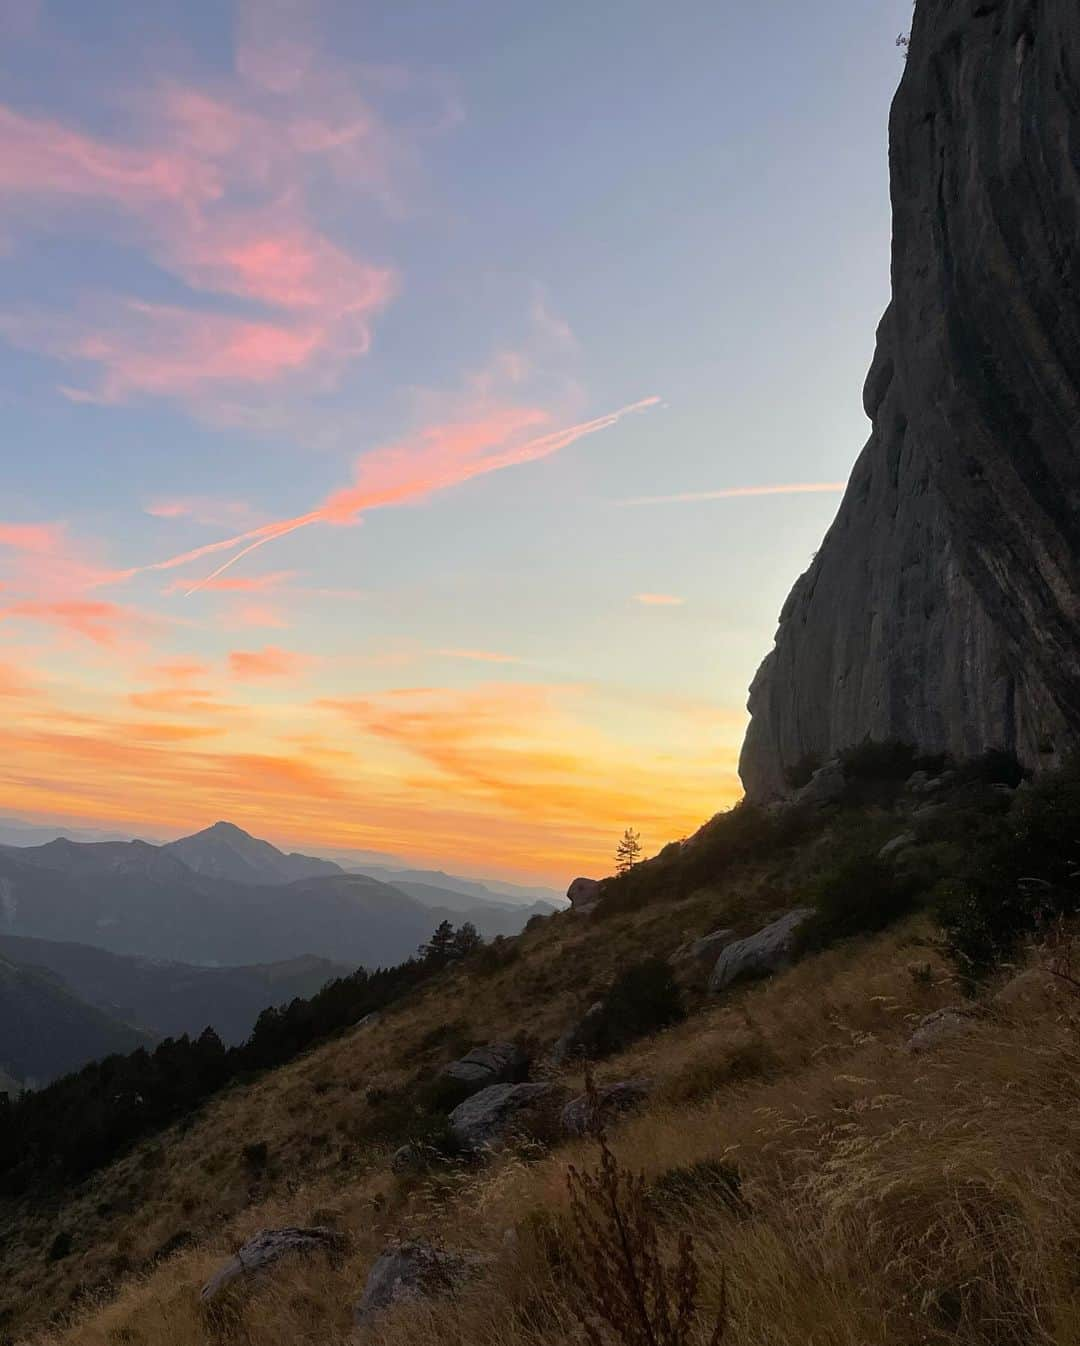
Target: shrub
859	895
1021	877
643	999
630	1295
60	1247
798	775
878	760
708	1182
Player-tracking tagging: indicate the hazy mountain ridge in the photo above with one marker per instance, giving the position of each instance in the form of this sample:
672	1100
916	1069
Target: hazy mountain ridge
170	998
136	899
46	1030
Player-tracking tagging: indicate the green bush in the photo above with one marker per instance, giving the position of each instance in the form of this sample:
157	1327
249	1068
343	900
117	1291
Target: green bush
643	999
858	895
1021	877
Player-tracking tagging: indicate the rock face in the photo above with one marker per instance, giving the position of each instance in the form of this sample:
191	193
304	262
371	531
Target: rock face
264	1249
943	607
765	951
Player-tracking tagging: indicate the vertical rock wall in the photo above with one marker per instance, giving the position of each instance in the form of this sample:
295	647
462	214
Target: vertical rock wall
943	607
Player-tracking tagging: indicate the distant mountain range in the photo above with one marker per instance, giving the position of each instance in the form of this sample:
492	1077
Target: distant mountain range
109	945
223	897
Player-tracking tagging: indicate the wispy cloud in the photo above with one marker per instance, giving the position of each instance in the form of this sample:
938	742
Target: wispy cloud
659	600
268	663
739	492
436	458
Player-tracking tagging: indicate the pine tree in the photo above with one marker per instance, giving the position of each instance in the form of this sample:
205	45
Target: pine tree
467	939
628	851
440	947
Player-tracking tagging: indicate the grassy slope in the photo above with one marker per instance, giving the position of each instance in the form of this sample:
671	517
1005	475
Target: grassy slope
893	1198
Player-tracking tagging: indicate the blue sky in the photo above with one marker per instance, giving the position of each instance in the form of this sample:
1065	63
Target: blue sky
404	269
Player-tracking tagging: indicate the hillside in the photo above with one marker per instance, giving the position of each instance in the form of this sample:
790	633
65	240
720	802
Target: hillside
803	1086
166	998
46	1030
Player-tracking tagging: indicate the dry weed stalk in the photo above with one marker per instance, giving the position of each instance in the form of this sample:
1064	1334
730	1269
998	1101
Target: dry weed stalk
630	1295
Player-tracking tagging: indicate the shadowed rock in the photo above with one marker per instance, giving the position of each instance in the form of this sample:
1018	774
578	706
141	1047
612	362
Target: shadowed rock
493	1114
410	1271
497	1063
267	1247
768	950
580	1117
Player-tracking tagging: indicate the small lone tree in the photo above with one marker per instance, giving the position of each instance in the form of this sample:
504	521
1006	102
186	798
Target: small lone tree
628	851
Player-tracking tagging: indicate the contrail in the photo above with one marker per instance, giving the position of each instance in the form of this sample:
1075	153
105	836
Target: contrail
736	492
344	506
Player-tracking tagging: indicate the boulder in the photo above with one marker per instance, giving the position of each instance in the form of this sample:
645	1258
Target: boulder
896	845
941	1026
825	786
583	894
410	1271
497	1063
759	954
578	1117
492	1114
703	950
267	1247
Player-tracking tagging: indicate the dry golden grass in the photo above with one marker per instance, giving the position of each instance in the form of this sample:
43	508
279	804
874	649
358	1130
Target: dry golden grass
888	1199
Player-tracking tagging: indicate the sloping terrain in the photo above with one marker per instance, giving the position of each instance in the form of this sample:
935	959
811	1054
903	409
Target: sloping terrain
884	1195
225	851
46	1030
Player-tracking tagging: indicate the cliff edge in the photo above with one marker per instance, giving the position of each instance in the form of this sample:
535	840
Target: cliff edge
943	607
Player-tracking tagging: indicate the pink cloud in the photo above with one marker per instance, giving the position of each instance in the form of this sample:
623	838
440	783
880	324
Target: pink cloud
268	663
257	615
216	187
101	623
659	600
434	459
43	562
202	509
241	584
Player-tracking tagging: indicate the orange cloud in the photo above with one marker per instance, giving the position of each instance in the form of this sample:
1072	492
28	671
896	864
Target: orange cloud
257	615
180	670
246	584
659	600
268	663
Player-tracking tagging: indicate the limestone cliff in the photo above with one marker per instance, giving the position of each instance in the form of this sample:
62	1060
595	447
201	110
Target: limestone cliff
944	605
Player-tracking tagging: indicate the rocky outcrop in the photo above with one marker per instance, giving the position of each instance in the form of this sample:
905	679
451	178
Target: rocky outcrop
493	1114
584	894
704	950
765	951
407	1272
943	607
497	1063
942	1025
265	1248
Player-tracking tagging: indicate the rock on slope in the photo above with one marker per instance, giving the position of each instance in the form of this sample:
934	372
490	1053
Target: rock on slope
944	605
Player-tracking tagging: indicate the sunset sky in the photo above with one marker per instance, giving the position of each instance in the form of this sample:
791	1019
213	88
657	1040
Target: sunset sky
414	415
